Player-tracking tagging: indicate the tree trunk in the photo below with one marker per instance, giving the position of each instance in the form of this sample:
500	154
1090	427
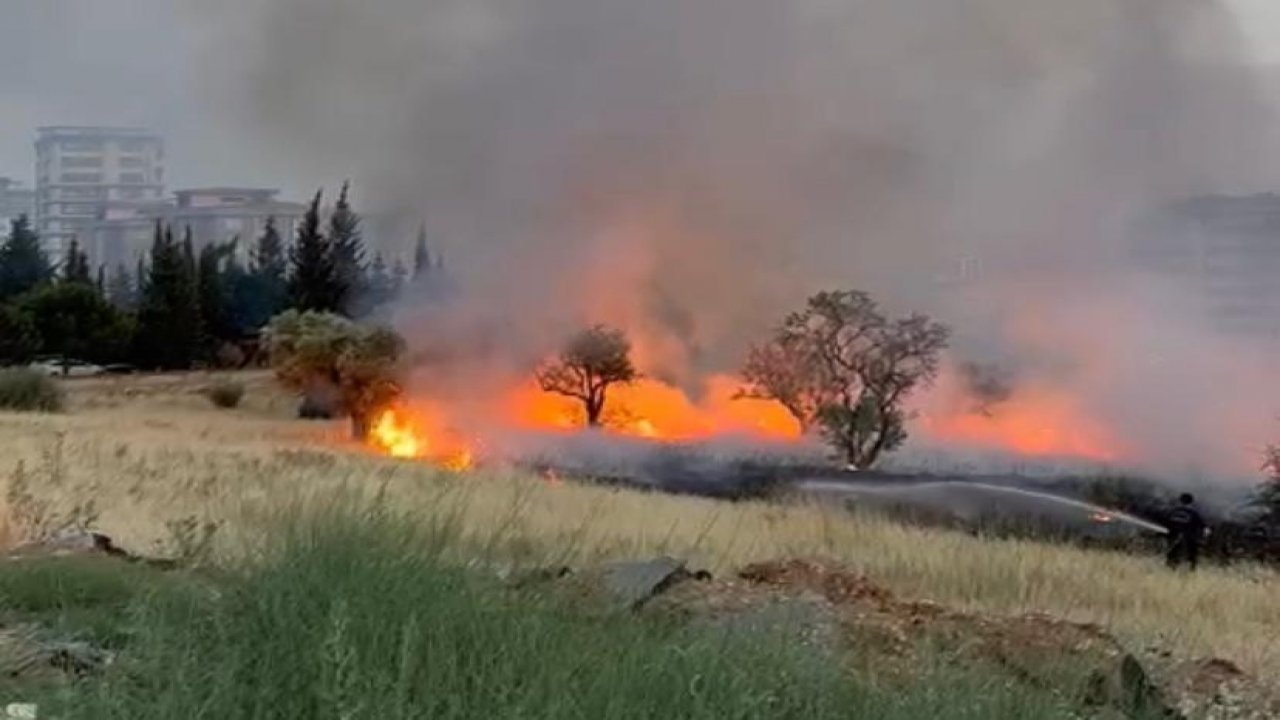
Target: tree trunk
361	425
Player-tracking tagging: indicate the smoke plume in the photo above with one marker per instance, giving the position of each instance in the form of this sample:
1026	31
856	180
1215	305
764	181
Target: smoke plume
691	170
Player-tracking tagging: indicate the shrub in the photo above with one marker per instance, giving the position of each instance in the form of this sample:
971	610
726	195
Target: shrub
226	393
28	390
361	364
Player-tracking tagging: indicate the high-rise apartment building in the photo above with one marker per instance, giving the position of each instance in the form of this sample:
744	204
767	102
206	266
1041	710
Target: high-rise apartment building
15	200
1226	251
82	170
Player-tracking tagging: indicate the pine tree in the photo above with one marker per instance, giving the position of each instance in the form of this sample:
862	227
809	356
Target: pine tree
399	277
313	283
120	289
169	332
23	264
421	256
212	290
263	292
75	265
348	252
380	289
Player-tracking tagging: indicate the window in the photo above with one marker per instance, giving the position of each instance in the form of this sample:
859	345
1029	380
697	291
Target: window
133	161
80	146
79	193
82	162
133	146
133	178
77	209
80	177
131	194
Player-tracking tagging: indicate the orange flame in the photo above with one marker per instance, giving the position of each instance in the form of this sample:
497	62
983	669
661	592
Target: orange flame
394	434
401	433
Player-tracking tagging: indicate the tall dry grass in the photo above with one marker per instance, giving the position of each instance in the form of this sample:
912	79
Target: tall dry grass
155	462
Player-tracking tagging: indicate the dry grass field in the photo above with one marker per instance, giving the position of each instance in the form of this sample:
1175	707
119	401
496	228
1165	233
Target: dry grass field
150	460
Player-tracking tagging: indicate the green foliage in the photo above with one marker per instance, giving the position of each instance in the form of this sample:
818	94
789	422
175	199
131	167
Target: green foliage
29	391
215	269
121	290
361	363
381	287
261	293
226	393
73	321
75	266
314	283
842	366
592	361
857	429
348	255
170	335
23	263
19	341
362	617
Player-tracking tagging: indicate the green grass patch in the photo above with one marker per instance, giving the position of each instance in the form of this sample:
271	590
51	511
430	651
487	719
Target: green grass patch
78	597
360	615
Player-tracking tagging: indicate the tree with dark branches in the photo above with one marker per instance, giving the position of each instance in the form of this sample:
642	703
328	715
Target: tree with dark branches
840	367
592	361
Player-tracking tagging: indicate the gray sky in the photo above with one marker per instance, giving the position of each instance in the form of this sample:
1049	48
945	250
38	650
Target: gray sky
121	62
137	62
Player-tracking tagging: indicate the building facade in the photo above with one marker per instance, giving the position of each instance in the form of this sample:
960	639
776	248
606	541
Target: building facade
15	200
124	231
1226	251
81	171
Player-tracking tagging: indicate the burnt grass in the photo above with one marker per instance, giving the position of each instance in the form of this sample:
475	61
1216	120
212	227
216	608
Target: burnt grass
1236	533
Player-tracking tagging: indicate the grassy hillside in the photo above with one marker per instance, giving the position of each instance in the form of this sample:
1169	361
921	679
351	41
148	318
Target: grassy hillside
155	464
355	614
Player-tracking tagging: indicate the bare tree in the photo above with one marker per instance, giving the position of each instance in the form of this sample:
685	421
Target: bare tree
591	361
841	367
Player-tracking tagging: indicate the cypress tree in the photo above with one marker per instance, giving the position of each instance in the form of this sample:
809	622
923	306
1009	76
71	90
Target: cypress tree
169	327
380	288
399	276
348	253
75	265
120	289
211	288
421	255
23	263
313	282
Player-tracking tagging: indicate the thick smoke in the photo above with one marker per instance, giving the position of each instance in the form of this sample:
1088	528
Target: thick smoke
692	170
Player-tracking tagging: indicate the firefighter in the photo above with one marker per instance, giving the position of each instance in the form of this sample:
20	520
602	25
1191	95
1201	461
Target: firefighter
1186	530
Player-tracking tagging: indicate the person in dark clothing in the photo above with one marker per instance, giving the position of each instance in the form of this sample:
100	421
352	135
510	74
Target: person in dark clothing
1186	529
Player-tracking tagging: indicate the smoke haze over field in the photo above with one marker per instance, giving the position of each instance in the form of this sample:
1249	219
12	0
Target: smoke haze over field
693	170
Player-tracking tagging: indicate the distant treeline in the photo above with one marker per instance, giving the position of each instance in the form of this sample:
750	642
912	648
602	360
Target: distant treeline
183	306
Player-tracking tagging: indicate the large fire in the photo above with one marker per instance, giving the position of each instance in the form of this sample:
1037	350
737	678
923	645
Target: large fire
1031	423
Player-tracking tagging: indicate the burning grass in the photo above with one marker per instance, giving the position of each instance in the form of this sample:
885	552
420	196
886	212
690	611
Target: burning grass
153	453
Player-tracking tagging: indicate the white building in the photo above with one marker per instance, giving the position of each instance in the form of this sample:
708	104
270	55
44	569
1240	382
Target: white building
15	200
1226	250
80	171
124	231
